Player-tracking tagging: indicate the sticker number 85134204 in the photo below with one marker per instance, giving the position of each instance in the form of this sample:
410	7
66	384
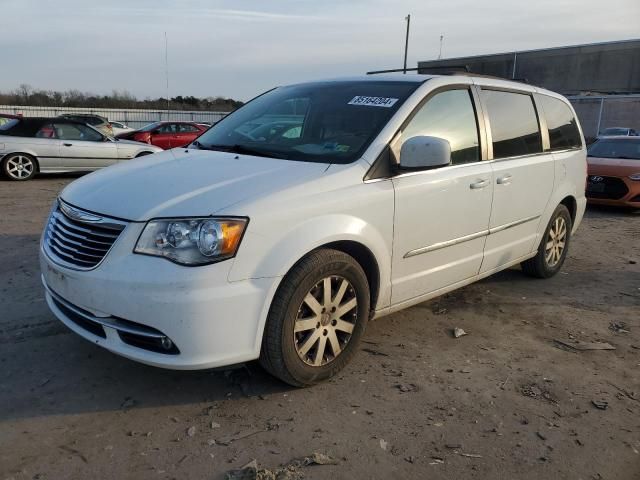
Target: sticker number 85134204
365	101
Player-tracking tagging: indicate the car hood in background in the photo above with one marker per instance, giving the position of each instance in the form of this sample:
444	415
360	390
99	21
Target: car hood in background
183	183
122	141
616	167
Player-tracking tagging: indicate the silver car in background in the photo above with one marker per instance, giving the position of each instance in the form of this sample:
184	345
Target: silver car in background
53	145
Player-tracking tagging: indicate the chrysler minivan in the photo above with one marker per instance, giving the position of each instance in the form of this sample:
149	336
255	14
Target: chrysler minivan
311	210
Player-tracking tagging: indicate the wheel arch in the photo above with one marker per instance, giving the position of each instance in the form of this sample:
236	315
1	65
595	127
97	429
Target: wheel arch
365	258
144	153
572	205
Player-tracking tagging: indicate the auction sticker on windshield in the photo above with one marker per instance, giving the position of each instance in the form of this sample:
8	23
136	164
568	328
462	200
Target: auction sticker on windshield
373	101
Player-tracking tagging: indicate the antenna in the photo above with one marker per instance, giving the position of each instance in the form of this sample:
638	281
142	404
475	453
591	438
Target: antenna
440	54
406	42
166	68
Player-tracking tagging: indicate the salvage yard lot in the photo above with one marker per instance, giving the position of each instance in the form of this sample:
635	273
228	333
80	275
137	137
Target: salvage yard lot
504	401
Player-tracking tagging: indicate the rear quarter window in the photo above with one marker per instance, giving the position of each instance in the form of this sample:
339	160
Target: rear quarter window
563	126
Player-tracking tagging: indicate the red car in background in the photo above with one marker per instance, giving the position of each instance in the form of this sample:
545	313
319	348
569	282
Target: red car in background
166	134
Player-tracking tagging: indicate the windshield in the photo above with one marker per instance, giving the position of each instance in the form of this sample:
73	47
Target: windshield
7	123
616	148
615	131
332	122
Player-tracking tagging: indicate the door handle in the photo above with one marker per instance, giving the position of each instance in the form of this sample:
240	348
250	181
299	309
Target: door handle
68	144
479	184
504	180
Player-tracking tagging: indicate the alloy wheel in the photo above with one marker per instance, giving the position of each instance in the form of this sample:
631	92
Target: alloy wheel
20	167
325	321
556	241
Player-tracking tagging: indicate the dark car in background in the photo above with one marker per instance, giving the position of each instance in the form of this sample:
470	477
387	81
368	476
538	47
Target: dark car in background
618	131
166	134
96	121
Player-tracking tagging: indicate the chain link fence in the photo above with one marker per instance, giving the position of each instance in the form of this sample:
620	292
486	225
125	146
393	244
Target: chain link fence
599	112
132	117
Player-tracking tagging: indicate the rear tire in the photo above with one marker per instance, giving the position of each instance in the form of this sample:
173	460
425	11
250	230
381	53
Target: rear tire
316	319
19	167
553	247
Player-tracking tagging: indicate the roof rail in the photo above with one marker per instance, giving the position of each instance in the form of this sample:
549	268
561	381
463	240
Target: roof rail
447	70
443	70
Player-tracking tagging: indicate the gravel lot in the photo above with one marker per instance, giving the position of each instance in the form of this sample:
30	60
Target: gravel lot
505	401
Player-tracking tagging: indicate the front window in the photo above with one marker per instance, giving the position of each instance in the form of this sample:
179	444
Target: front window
331	122
616	148
69	131
449	115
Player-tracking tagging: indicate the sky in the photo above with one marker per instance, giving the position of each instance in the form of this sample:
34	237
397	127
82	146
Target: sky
241	48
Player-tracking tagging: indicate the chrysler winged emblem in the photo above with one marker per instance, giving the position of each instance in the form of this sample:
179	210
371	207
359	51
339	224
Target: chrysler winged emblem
79	215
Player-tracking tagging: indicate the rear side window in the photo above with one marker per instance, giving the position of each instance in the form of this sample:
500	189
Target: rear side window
563	127
514	124
449	115
46	131
186	128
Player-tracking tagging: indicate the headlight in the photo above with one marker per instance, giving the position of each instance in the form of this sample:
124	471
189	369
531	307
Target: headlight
635	176
192	241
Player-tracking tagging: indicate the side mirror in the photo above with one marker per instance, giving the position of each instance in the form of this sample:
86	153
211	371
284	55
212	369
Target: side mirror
425	152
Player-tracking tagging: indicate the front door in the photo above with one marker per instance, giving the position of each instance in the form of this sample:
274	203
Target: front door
441	215
166	136
523	177
84	148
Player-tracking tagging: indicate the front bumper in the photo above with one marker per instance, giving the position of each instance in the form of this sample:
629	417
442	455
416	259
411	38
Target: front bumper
629	199
211	321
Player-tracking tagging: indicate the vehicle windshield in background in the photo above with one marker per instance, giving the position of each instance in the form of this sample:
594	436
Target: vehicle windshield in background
7	123
329	122
150	127
616	131
616	148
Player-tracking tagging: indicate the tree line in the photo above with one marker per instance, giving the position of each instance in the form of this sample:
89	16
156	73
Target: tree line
29	96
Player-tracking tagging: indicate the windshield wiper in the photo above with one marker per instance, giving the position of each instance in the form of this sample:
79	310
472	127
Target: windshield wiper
238	149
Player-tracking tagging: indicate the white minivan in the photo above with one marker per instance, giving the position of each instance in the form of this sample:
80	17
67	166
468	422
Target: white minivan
307	212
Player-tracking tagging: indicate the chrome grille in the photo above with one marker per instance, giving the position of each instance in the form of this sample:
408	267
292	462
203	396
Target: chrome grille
78	239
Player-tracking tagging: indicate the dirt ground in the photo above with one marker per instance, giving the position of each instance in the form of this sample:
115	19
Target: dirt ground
504	402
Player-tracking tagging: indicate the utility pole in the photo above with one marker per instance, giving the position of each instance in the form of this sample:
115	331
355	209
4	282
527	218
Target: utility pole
166	68
406	42
440	54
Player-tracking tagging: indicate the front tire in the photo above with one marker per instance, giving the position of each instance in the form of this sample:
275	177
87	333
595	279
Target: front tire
19	167
316	319
553	248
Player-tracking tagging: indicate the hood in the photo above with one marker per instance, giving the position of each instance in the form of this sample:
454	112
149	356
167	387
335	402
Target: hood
617	167
183	183
133	142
